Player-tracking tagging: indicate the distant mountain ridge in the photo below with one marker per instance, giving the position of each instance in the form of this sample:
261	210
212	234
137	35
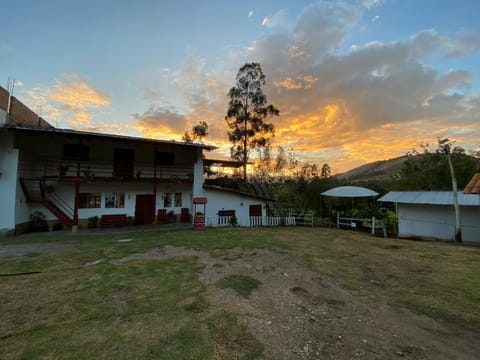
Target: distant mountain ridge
376	171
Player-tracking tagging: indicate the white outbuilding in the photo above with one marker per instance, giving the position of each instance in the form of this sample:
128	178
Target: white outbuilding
430	214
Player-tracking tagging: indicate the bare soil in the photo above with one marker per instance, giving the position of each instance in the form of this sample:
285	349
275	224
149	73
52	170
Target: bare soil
300	314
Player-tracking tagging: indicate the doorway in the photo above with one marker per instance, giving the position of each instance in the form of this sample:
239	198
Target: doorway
123	163
144	210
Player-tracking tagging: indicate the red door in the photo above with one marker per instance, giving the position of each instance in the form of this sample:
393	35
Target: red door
144	211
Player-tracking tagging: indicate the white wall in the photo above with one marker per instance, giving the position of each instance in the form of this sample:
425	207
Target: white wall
66	191
8	181
3	117
438	222
223	200
198	190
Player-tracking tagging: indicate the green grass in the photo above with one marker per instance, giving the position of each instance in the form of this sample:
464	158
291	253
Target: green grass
150	309
243	285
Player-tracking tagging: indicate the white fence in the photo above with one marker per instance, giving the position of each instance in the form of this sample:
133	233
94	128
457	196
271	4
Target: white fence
303	219
251	221
356	223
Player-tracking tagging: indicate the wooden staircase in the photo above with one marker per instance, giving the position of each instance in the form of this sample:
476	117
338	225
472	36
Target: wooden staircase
35	191
272	205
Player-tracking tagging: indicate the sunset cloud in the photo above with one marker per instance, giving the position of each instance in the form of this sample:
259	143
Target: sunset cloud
374	101
162	123
72	100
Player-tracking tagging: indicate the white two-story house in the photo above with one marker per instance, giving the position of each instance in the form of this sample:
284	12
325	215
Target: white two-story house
72	176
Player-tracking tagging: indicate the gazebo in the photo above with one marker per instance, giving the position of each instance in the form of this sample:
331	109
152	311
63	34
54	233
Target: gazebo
355	192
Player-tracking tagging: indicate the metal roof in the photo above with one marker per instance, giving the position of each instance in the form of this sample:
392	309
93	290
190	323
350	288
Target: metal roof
350	191
234	191
430	198
223	163
100	135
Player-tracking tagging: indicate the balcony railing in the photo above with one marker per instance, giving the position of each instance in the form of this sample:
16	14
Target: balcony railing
102	170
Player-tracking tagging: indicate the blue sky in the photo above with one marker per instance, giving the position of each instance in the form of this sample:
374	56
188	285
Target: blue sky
355	81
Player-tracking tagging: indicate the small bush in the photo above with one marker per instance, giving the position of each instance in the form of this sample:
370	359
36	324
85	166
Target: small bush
38	221
233	220
57	226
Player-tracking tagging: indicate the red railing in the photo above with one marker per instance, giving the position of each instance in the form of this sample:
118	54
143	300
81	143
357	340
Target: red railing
99	169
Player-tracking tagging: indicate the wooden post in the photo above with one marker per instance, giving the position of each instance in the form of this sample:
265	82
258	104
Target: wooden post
373	225
338	220
154	198
76	197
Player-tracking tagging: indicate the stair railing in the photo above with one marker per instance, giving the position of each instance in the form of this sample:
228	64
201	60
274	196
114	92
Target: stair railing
60	203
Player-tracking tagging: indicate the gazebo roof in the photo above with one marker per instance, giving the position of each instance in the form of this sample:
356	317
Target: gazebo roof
350	192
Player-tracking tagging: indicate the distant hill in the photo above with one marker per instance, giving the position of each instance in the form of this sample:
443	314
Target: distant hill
375	171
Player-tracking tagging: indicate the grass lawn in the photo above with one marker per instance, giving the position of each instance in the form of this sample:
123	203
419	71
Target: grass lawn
158	309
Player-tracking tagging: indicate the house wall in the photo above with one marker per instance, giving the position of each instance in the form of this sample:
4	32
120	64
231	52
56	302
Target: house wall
198	190
41	154
8	181
223	200
3	99
438	222
3	105
65	191
20	114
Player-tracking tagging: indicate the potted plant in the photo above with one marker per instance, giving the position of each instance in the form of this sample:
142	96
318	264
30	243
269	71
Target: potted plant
92	222
62	170
171	217
57	226
38	221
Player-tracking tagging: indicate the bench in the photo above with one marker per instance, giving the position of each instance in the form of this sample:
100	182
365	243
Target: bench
162	216
116	220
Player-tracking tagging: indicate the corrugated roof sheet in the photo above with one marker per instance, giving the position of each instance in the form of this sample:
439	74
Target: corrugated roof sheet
473	186
105	135
430	198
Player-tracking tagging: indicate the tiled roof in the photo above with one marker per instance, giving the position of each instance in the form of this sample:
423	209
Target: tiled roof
473	186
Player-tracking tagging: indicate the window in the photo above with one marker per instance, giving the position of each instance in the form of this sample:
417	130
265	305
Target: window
123	163
178	199
115	200
76	152
164	158
167	200
89	200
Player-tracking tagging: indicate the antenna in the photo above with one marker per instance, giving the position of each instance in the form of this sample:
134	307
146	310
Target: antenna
10	88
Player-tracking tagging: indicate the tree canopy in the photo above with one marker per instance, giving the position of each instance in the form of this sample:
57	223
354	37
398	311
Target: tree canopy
247	114
198	132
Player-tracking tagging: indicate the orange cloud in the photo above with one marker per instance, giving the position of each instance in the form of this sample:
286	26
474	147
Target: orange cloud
76	93
71	100
372	102
300	82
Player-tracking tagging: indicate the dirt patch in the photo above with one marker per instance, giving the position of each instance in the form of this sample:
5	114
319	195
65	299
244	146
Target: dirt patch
300	314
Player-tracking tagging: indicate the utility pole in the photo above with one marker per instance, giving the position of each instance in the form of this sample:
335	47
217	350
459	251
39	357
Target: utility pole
445	147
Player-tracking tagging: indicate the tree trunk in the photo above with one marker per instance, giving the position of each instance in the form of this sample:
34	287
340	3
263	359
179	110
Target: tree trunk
245	137
458	229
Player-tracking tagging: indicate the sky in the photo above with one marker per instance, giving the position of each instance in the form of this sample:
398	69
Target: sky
355	81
